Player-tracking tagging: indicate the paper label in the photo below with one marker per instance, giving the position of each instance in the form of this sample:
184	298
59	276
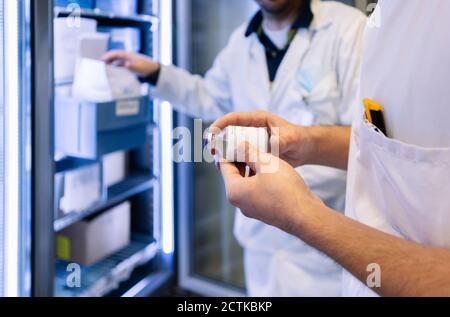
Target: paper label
127	108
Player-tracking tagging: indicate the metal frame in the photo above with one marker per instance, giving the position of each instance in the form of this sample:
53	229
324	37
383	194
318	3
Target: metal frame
25	139
42	147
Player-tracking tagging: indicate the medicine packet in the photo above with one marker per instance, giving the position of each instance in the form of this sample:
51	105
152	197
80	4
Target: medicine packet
228	140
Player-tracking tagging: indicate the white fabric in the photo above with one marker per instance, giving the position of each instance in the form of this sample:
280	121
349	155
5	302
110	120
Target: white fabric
316	84
278	37
400	185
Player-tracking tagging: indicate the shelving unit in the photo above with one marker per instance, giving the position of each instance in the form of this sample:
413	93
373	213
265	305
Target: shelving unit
105	276
98	14
135	184
142	264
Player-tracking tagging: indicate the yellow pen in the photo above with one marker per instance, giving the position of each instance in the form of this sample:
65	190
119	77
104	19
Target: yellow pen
374	114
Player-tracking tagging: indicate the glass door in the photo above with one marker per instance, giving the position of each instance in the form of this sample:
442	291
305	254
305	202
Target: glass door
15	149
210	259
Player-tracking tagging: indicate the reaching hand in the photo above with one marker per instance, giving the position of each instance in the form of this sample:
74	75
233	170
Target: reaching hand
139	64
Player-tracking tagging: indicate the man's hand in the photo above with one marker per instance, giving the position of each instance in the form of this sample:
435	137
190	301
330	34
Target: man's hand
276	194
139	64
282	199
297	145
291	141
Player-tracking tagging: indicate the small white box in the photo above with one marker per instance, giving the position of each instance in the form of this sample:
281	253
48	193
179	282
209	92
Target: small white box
115	168
81	189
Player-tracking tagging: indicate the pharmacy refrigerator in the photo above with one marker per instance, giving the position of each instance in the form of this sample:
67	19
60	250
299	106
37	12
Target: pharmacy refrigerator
101	169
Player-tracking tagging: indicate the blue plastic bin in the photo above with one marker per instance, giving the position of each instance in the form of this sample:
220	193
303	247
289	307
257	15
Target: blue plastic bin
90	130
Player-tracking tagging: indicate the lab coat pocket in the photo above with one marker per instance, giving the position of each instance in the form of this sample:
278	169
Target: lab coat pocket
410	184
320	98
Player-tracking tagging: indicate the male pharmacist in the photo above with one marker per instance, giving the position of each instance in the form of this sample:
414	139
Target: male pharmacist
396	238
300	60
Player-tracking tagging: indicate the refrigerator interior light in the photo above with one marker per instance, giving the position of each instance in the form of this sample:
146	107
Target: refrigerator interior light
166	134
12	147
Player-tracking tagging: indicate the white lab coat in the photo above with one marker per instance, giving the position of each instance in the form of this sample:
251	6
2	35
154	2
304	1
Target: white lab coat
316	84
400	184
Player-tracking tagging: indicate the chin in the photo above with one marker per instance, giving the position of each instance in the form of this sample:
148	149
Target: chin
276	6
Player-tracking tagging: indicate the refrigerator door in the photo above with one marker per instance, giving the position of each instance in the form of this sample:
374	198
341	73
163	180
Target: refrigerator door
210	260
15	149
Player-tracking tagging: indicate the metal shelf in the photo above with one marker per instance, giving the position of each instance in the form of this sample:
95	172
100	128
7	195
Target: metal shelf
105	276
69	163
149	285
98	14
136	183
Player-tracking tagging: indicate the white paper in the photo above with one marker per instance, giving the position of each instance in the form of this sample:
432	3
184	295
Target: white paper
66	37
97	82
91	82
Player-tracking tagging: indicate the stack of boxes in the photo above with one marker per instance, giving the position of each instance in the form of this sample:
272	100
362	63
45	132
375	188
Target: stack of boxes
100	132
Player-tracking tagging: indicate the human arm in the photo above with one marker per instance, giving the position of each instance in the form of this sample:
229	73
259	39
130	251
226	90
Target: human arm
206	97
281	198
298	145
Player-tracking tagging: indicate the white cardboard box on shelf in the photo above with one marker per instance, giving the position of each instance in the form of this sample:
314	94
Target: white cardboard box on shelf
92	240
115	168
82	188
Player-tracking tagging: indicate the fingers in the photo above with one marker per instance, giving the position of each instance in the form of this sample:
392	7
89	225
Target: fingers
230	173
246	119
248	154
115	55
260	163
235	183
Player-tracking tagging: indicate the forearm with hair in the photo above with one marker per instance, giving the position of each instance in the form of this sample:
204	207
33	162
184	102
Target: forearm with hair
329	146
407	268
